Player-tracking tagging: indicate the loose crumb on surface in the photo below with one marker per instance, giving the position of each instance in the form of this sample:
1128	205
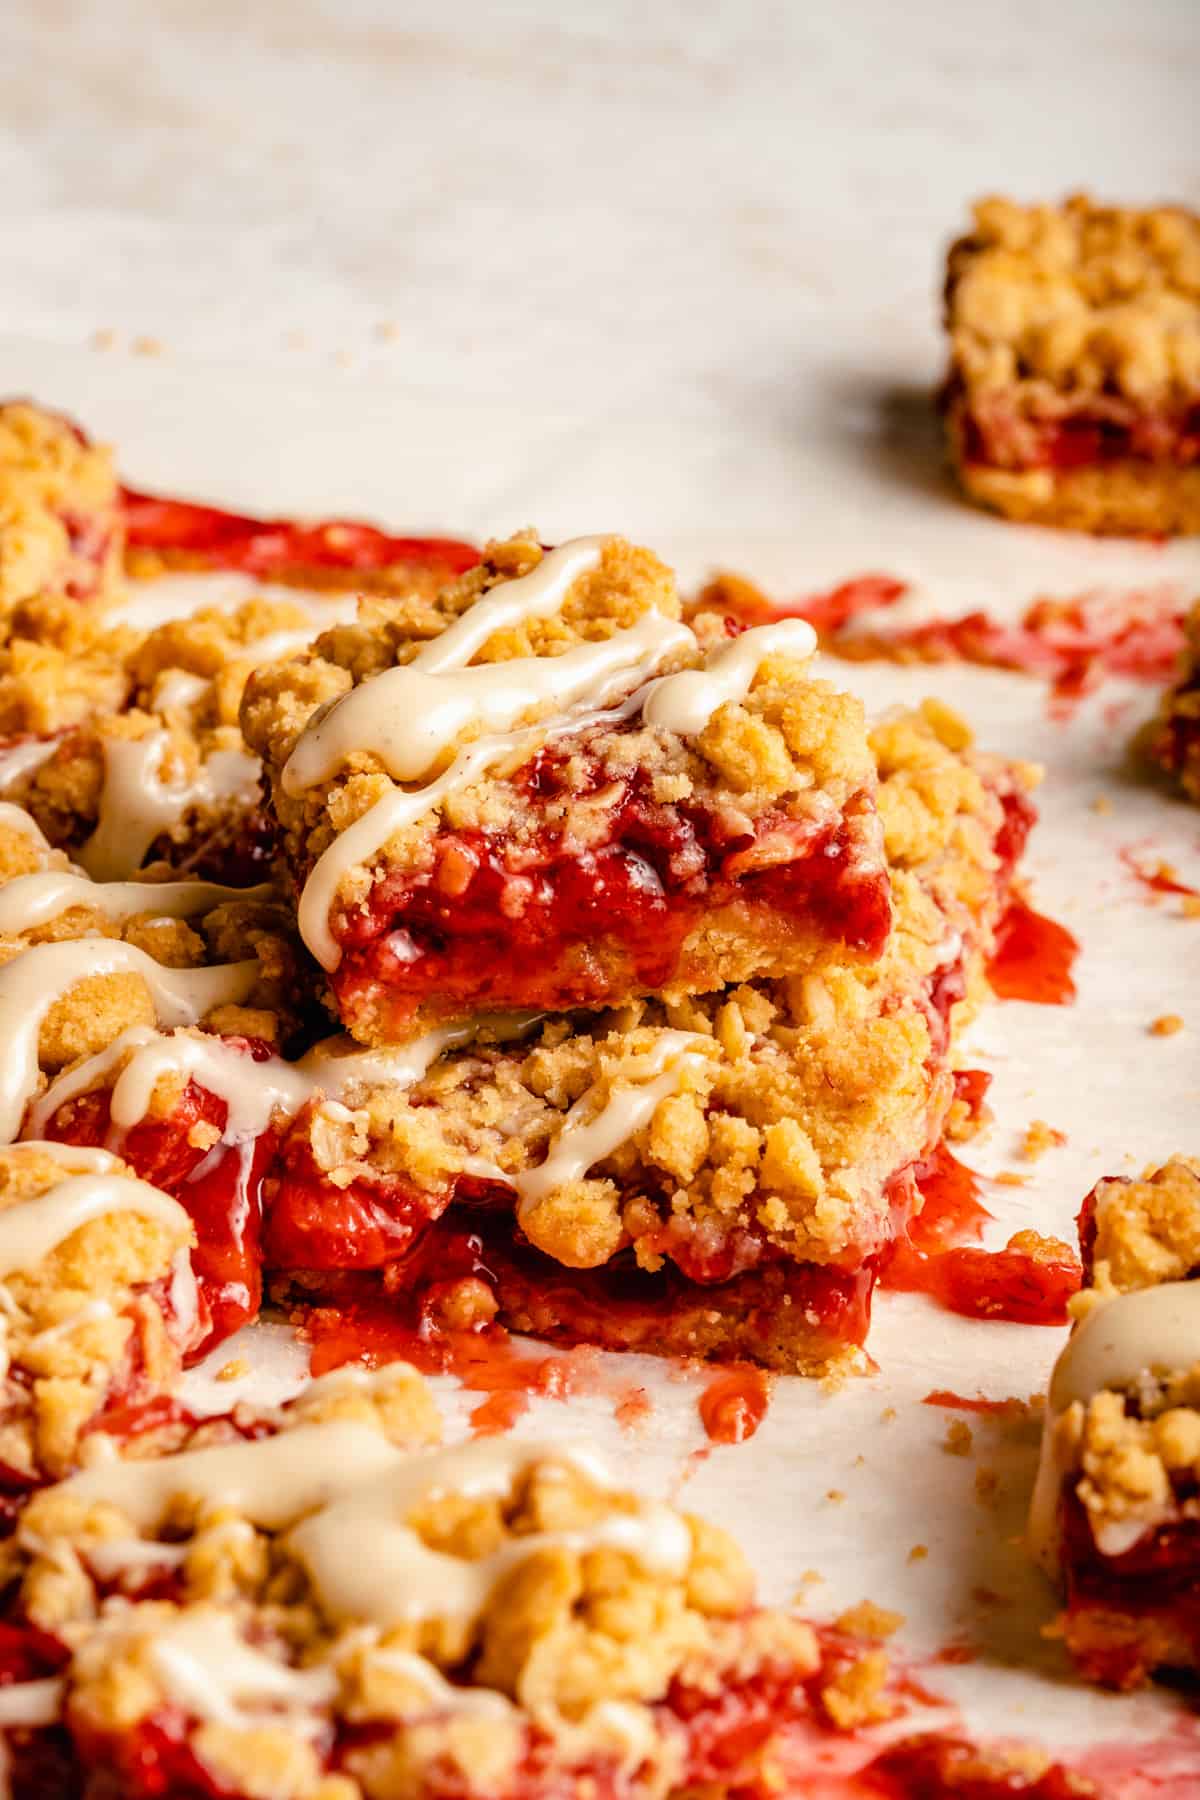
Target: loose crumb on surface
147	346
1189	906
958	1439
887	1415
836	1496
235	1370
987	1483
856	1694
918	1553
1101	804
1166	1025
1040	1137
105	339
866	1620
1010	1178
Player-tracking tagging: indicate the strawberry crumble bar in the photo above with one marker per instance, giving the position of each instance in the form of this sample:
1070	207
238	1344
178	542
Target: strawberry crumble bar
715	1175
609	802
523	1629
61	530
100	1302
1116	1512
1073	392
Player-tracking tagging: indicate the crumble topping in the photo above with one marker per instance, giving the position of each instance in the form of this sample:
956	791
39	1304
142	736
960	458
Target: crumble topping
58	508
76	1319
1081	299
581	1634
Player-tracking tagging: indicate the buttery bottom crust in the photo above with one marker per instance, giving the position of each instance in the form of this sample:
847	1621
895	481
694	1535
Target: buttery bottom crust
1130	497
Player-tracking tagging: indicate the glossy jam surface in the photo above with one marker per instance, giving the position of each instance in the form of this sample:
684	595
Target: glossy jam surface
1124	1611
936	1256
221	1187
1085	437
493	921
275	548
1033	958
734	1405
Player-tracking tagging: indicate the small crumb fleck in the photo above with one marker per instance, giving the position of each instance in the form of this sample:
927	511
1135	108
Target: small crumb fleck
343	358
1040	1137
836	1495
147	346
918	1553
295	340
234	1370
810	1578
866	1620
987	1482
1189	906
958	1438
887	1415
856	1694
859	1461
1101	804
1010	1178
388	330
103	340
1166	1025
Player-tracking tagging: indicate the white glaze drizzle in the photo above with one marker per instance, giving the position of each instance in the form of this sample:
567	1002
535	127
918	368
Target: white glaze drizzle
410	718
31	1703
335	1069
15	818
31	1229
338	1485
32	900
137	805
587	1137
684	703
206	1667
1151	1331
178	690
24	759
35	980
533	596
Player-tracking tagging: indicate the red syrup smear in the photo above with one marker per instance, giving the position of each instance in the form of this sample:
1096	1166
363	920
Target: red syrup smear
1033	958
734	1404
938	1256
485	1362
974	1403
264	548
827	612
1075	644
970	1089
1156	877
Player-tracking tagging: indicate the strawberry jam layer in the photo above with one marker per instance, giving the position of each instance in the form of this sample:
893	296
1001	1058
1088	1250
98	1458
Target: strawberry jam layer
495	920
221	1187
1080	437
1132	1614
335	552
781	1315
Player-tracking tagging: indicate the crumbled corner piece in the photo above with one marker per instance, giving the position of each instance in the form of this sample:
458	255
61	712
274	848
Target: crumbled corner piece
1146	1230
77	1315
866	1620
60	532
1075	363
1166	1025
958	1439
1040	1137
